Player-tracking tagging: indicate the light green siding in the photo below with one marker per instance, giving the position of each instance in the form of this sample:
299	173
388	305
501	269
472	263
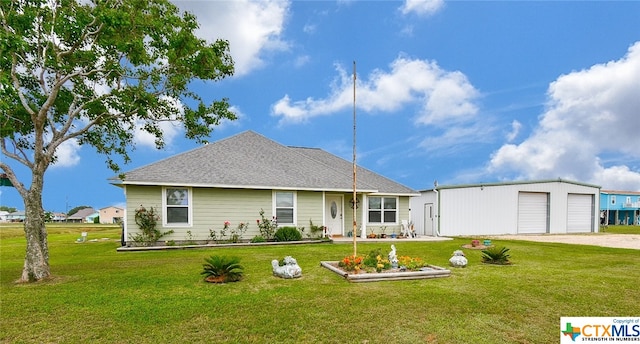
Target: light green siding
211	207
309	207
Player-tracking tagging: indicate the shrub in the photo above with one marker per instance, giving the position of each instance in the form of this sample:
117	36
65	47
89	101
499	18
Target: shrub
316	230
258	238
147	221
267	227
496	255
238	232
220	269
288	234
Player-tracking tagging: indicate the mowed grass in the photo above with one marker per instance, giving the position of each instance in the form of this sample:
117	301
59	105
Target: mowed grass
99	295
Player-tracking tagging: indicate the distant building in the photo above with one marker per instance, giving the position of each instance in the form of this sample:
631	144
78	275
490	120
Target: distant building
111	215
620	207
16	216
85	215
3	215
58	217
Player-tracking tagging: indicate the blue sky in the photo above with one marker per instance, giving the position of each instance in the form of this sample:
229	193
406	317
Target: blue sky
459	92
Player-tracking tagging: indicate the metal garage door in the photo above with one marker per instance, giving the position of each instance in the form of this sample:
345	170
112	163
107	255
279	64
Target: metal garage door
533	212
579	213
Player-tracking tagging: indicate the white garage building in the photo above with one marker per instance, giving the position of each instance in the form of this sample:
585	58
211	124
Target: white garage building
531	207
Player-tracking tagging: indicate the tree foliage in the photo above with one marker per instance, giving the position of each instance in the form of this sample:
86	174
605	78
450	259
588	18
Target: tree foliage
95	74
77	209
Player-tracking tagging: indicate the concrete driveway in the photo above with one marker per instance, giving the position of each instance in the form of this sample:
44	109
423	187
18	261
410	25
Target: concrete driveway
631	241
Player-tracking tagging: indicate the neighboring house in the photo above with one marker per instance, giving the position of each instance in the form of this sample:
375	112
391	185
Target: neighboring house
85	215
3	215
111	215
528	207
234	178
16	216
620	207
59	217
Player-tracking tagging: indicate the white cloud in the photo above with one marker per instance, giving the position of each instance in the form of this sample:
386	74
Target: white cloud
301	61
590	113
456	138
67	154
445	97
515	130
170	128
422	7
252	28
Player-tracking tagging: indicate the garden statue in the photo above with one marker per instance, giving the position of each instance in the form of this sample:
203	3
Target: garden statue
290	269
458	260
393	258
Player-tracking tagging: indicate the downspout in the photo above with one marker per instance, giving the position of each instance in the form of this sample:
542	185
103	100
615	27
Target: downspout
437	231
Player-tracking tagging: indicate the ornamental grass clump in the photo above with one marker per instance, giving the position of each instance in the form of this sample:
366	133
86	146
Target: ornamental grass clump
496	255
221	269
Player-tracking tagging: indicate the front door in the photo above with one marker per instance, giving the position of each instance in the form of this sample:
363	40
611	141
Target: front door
333	214
428	219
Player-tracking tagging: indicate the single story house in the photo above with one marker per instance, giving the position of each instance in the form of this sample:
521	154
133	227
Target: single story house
235	178
16	216
86	215
111	214
526	207
620	207
58	217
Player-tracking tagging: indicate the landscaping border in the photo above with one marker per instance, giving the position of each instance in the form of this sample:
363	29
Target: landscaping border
434	272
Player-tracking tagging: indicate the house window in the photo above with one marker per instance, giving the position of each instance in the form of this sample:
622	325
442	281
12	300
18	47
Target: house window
285	202
383	209
177	206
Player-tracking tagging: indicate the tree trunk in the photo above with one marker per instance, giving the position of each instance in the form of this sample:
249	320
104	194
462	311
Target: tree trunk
36	260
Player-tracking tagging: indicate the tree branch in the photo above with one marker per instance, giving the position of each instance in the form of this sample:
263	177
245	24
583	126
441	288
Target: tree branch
13	179
21	158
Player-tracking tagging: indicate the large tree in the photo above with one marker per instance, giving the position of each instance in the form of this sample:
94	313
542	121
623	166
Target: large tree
95	73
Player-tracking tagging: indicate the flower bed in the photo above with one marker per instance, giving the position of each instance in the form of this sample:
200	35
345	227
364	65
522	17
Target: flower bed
393	274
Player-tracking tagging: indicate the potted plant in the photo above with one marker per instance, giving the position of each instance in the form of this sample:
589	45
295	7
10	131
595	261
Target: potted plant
371	234
383	229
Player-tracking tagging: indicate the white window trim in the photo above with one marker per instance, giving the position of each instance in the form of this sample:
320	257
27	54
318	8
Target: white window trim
189	207
295	207
397	210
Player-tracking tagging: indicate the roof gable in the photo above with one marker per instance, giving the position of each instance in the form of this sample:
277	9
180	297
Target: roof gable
250	160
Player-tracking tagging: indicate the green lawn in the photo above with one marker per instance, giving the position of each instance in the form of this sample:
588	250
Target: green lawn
99	295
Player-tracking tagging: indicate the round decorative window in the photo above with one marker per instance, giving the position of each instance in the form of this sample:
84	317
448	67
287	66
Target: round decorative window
334	210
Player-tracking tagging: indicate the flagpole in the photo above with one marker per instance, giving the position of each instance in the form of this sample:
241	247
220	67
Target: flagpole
354	196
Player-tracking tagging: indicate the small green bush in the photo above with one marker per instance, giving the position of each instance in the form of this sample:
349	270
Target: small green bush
496	255
258	238
288	234
219	269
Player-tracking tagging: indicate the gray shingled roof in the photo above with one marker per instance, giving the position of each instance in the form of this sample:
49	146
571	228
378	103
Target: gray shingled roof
250	160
